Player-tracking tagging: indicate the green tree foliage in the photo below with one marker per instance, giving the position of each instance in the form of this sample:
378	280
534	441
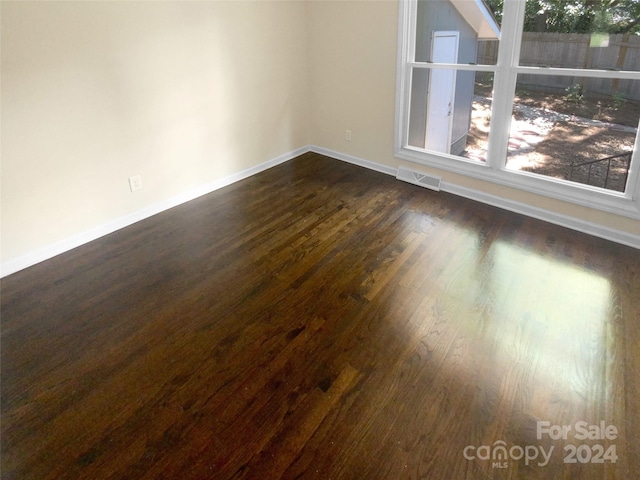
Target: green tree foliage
577	16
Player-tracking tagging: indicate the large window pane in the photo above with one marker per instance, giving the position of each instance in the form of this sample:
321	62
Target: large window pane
575	128
474	23
450	112
582	34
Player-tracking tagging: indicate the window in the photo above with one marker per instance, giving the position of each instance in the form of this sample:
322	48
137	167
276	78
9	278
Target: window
539	95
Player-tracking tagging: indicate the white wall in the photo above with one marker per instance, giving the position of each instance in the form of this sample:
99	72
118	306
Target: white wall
352	45
182	93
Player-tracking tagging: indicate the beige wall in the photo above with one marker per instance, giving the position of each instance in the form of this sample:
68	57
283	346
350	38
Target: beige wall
352	76
185	93
182	93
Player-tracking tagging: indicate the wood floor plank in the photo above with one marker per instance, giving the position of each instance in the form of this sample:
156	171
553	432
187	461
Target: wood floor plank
322	321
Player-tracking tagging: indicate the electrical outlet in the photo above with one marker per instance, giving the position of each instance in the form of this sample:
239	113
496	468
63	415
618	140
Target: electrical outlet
135	183
347	135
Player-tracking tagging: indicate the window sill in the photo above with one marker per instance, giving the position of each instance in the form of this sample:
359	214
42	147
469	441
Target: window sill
584	195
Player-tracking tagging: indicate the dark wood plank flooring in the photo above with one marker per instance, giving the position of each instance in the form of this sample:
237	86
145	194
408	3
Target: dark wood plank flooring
322	321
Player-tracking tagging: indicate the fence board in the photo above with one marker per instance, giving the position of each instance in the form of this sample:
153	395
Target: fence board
571	50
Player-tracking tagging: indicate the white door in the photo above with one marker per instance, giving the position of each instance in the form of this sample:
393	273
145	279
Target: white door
442	87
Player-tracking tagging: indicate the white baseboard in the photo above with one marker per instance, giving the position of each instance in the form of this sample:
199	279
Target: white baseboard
32	258
618	236
354	160
50	251
573	223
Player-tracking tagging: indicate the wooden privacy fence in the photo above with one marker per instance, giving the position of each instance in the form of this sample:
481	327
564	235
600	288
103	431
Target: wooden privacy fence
575	50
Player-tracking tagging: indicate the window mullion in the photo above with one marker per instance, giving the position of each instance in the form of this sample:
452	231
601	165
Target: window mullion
578	72
505	83
453	66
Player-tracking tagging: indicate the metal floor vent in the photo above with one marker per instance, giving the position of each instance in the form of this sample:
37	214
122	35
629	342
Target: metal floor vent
418	178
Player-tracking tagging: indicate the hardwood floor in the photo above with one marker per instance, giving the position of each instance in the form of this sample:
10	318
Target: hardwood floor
322	321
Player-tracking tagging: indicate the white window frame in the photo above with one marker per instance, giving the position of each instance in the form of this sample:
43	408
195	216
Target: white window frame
505	75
